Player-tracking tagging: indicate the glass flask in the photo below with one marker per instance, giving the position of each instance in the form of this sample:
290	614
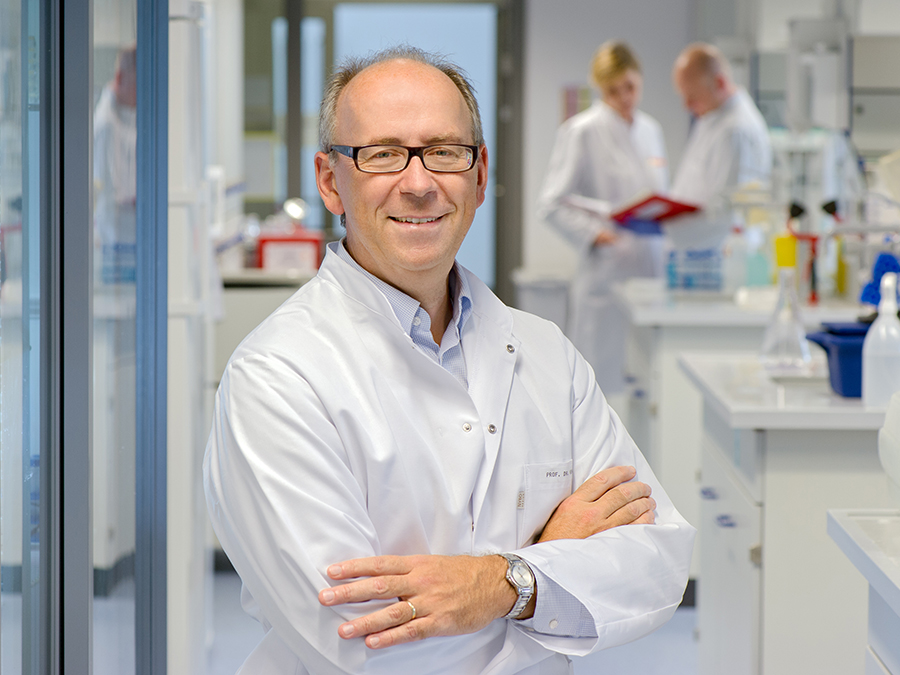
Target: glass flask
784	347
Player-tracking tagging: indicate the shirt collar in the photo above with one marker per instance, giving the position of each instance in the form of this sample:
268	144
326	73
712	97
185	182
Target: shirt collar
406	307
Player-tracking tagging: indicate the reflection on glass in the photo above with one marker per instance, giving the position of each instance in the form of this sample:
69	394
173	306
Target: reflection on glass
114	402
22	535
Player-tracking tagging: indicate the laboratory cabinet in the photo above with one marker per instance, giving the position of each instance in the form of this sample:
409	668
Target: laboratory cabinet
870	539
664	410
114	433
732	523
776	596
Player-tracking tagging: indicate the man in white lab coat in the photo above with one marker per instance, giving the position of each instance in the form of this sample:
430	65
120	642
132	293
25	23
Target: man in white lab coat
394	451
115	170
728	146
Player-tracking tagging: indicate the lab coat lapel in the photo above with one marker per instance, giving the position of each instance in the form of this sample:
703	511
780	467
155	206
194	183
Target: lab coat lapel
491	367
427	418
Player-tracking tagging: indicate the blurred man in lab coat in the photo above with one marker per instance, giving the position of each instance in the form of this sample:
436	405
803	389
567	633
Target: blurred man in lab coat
602	158
115	170
728	146
394	451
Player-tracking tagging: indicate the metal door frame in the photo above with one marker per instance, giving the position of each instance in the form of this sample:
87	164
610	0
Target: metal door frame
68	73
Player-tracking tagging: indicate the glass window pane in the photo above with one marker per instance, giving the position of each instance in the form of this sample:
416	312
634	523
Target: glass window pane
312	85
114	395
23	499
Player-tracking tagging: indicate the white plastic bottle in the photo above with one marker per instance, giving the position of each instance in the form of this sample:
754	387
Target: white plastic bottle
881	349
734	261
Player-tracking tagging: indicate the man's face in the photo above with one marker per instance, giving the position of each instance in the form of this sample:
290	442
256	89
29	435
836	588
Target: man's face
402	224
700	91
126	88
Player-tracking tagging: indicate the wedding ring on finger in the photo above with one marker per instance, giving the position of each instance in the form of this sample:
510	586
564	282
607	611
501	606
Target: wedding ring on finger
413	608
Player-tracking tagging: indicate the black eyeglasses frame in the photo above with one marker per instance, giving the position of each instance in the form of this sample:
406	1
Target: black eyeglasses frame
352	151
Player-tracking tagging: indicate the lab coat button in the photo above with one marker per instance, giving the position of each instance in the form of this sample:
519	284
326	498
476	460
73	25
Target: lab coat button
467	427
510	349
553	623
492	429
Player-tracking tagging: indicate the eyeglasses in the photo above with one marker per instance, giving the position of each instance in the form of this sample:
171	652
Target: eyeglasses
445	158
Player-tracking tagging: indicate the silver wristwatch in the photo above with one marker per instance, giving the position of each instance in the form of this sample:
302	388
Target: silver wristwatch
521	578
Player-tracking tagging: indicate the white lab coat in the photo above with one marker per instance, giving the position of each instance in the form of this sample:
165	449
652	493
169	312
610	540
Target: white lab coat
115	170
604	162
728	147
335	438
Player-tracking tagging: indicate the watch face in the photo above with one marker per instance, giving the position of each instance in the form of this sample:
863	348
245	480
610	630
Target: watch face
522	575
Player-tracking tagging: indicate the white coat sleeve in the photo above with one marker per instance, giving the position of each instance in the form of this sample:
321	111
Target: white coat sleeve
565	180
285	504
630	578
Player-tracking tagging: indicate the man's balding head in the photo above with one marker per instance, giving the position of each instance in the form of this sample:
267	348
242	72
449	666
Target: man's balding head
702	76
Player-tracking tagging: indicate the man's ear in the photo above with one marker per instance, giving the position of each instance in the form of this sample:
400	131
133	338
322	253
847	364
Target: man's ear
326	181
481	166
721	82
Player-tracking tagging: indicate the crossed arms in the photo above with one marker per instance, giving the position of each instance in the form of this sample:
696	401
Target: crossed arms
453	595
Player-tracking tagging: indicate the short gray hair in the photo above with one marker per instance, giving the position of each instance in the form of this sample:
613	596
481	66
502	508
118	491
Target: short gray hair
353	66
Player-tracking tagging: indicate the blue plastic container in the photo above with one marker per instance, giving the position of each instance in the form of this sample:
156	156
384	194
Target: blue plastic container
844	350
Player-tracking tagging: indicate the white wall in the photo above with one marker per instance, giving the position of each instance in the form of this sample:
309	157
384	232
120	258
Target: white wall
561	36
879	17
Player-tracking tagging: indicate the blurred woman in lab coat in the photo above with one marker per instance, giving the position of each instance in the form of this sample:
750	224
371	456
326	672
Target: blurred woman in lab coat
603	157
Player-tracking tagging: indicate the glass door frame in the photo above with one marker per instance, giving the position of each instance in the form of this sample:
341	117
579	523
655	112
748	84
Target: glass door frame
152	336
67	266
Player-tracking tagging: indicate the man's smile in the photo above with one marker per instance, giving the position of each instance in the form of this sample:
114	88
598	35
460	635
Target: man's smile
415	221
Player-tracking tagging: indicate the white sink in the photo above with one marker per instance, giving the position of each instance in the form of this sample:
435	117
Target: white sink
889	445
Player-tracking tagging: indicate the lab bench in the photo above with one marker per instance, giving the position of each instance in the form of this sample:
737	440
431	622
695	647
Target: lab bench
664	410
871	541
776	596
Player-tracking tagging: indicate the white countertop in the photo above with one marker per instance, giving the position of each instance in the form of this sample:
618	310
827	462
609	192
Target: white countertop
871	540
651	305
739	389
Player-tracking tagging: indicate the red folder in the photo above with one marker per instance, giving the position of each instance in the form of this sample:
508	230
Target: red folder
651	207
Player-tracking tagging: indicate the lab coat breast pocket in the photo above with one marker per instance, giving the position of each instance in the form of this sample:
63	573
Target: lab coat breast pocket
545	486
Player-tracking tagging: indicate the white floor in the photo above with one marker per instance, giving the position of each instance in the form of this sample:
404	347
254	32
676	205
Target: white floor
671	650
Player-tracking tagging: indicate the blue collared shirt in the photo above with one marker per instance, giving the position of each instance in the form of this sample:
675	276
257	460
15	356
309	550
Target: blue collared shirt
417	323
557	612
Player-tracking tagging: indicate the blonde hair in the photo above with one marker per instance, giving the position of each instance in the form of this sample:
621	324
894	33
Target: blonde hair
611	61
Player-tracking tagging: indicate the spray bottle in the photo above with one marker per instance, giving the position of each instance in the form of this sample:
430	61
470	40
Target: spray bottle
881	349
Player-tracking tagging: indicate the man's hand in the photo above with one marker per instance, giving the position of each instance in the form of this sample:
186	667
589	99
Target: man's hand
452	595
605	500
